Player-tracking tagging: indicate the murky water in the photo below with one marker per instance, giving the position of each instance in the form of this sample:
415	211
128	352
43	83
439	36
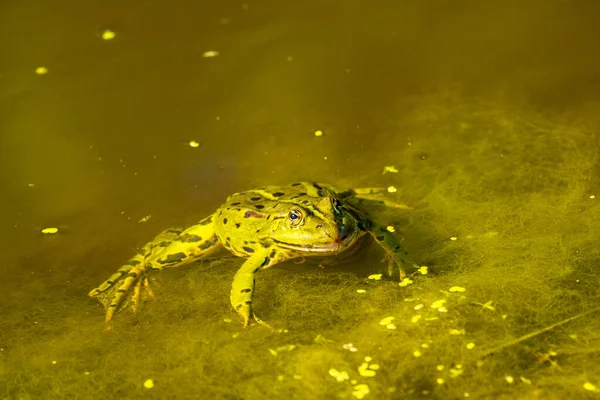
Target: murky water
488	110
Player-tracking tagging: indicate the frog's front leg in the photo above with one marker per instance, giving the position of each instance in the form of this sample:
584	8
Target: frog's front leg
392	244
171	248
242	289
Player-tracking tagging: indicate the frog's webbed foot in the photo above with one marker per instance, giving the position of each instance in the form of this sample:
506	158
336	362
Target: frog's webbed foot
129	286
248	314
396	255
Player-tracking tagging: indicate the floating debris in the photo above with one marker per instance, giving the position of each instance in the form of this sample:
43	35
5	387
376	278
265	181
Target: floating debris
49	231
390	228
453	238
456	289
590	386
107	34
361	390
340	376
41	70
146	218
415	319
438	303
149	384
392	189
210	54
193	143
423	270
350	347
390	168
470	346
318	133
386	321
375	277
405	282
361	291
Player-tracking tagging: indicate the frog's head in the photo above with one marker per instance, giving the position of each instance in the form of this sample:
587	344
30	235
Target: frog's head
321	225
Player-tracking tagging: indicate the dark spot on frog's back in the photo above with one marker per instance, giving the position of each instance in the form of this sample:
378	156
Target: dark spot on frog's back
252	214
255	198
237	225
248	249
187	238
259	206
224	221
278	194
297	184
172	258
235	204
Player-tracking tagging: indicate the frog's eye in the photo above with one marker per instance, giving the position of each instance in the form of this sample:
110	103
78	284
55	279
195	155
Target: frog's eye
295	217
337	205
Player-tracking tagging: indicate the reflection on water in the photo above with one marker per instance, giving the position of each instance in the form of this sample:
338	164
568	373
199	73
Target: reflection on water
487	110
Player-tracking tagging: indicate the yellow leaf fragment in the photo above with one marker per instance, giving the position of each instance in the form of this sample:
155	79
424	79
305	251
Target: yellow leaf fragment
193	143
453	238
470	345
361	390
149	384
340	376
423	270
415	319
41	70
364	370
108	35
392	189
456	289
390	228
318	133
405	282
386	321
525	380
49	231
509	379
375	277
389	168
438	303
590	386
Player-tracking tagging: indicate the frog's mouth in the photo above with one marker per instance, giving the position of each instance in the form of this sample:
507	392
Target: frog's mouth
314	248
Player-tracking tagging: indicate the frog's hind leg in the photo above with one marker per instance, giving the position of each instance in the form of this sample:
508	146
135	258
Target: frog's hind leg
130	285
391	243
374	196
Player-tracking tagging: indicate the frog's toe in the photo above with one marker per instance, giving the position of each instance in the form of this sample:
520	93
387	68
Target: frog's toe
245	311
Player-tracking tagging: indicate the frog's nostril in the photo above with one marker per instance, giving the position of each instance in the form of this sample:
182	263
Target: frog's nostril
319	226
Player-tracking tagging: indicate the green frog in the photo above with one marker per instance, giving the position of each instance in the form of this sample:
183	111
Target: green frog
266	226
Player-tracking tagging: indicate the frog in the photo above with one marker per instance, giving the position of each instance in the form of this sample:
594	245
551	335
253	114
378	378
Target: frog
266	226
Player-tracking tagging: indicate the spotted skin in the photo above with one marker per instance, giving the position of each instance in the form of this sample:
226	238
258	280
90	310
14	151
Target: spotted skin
266	226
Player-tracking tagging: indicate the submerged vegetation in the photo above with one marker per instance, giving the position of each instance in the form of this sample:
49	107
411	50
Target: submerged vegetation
504	218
